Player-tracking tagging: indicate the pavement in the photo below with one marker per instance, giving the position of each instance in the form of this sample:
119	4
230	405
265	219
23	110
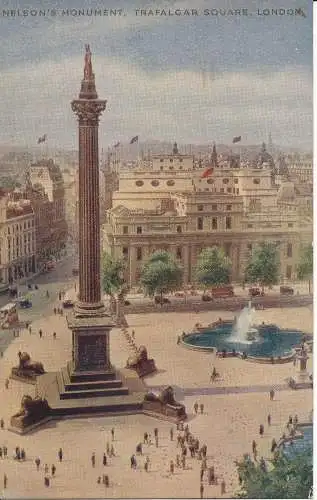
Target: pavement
234	407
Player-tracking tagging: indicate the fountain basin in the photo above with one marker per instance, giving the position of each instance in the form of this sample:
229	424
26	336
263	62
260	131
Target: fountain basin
271	342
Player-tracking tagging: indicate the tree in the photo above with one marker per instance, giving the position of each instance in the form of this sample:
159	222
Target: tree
306	265
114	284
213	267
264	266
161	274
287	477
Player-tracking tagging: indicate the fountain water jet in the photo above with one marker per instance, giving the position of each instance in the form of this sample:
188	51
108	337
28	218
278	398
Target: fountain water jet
242	331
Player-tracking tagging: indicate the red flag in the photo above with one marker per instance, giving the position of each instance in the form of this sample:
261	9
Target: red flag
207	173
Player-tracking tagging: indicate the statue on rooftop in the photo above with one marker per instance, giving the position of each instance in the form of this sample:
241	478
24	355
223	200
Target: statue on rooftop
88	74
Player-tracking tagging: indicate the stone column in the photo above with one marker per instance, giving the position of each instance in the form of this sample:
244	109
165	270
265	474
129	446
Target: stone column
186	263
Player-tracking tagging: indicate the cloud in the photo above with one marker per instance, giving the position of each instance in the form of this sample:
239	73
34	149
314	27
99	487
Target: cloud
185	105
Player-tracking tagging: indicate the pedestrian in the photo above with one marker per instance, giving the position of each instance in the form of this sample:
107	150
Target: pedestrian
223	487
104	459
59	295
202	408
156	441
93	459
211	475
2	423
54	335
296	420
147	464
145	438
37	463
60	455
105	480
23	454
46	481
40	333
261	430
204	463
112	434
5	452
53	469
112	453
47	294
5	481
178	462
204	450
55	310
290	420
133	462
184	461
201	490
6	383
62	312
196	408
273	445
172	467
1	354
156	432
46	469
1	453
269	420
171	434
294	361
99	480
133	334
30	330
272	394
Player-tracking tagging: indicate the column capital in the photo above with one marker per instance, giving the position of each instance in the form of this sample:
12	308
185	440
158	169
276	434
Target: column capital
88	111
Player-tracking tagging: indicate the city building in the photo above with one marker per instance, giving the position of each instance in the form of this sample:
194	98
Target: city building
45	190
180	207
17	237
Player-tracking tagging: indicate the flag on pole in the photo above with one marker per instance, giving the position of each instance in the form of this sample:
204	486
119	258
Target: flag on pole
236	139
116	145
134	139
208	172
42	139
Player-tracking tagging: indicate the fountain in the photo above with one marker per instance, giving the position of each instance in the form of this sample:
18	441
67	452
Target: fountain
243	332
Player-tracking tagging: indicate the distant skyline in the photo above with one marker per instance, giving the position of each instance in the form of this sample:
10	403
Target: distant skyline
195	79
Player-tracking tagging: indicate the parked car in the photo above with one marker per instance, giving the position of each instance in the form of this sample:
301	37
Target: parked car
161	300
206	298
68	303
255	291
286	290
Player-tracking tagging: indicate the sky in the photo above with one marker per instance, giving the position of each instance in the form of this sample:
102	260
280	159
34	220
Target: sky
193	79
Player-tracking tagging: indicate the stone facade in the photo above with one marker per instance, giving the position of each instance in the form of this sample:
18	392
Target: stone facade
171	206
17	237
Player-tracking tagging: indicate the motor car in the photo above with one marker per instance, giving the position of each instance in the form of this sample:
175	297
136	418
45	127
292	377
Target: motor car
286	290
222	291
68	303
255	291
25	303
161	300
206	298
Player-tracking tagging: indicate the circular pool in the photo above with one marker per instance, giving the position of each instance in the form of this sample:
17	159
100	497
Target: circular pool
269	340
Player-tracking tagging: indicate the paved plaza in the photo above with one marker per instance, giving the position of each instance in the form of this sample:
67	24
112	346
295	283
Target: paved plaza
234	407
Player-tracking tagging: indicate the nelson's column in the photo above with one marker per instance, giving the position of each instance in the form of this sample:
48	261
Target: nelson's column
89	382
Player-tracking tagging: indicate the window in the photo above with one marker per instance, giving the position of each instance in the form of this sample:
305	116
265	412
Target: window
171	167
214	223
139	253
170	183
206	189
289	250
249	247
210	181
155	183
125	252
179	252
225	181
228	223
139	230
235	180
125	229
214	207
179	229
288	272
139	183
229	190
290	224
171	160
250	225
222	190
161	167
200	223
237	190
256	181
161	160
229	207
